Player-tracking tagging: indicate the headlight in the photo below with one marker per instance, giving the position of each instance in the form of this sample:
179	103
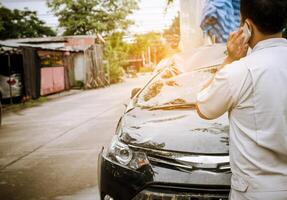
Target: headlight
122	154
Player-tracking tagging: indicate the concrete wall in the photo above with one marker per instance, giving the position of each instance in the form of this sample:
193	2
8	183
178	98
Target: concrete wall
190	17
79	67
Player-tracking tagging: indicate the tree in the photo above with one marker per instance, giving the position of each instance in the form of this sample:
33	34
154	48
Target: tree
116	56
172	34
86	17
159	48
22	24
168	2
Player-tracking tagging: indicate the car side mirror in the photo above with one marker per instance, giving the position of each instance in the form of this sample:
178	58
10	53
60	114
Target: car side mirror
134	92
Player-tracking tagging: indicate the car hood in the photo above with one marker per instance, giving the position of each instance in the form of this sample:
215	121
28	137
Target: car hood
175	130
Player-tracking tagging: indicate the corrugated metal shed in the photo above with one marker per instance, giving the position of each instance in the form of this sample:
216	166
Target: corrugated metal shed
9	50
49	43
42	78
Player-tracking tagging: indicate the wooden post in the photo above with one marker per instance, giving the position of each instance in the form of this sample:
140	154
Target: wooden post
154	56
149	55
143	59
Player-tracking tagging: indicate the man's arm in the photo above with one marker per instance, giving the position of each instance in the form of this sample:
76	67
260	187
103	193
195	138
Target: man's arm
215	99
200	114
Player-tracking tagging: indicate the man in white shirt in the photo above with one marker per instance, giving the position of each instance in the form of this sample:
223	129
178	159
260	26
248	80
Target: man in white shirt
253	90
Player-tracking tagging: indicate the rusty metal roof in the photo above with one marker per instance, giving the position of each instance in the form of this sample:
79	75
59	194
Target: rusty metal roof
9	50
46	43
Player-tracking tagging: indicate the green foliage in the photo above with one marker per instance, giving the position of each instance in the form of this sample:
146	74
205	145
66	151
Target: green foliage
285	32
22	24
105	17
174	27
86	17
163	44
115	54
172	34
145	70
169	2
79	84
160	49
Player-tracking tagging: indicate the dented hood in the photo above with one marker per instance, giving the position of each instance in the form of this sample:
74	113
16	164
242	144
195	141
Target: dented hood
175	130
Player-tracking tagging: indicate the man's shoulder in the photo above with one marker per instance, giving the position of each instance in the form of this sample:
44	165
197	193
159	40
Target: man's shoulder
237	68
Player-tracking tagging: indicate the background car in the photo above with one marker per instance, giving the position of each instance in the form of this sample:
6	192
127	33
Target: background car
14	83
0	113
162	149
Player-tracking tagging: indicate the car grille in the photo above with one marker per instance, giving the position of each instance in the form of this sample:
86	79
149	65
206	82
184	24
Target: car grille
170	160
176	193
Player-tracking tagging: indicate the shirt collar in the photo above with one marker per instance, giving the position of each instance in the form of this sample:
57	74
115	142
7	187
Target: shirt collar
273	42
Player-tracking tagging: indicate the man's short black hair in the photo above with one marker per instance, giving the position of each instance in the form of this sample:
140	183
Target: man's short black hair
270	16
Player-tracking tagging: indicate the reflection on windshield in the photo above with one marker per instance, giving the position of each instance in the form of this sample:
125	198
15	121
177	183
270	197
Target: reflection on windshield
153	91
173	87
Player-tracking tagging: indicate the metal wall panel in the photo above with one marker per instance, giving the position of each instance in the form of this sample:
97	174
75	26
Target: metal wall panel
31	65
58	79
52	80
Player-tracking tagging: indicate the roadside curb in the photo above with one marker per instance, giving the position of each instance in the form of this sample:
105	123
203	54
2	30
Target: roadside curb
22	106
64	94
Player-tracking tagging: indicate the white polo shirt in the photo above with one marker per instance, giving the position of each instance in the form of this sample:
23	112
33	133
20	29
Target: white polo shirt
254	92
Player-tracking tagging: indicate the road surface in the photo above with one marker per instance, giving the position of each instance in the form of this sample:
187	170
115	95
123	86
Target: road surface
50	151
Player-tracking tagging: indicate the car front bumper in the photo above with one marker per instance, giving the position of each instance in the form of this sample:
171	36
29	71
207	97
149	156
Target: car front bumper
159	183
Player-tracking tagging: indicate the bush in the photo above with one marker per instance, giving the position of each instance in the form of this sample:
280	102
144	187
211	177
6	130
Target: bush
145	70
116	56
116	72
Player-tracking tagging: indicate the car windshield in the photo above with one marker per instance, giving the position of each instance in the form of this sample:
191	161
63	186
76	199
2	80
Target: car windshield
172	87
175	87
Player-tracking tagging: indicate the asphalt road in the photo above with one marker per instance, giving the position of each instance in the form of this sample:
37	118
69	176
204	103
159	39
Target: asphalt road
50	151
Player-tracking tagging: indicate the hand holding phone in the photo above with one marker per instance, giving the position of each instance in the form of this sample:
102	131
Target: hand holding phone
237	44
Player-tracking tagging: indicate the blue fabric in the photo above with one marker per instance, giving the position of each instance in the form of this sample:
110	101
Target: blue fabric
220	17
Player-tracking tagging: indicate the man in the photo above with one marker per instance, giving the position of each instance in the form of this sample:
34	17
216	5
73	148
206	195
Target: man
253	89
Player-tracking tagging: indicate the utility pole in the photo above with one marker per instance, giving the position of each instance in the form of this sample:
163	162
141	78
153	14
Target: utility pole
154	55
149	55
143	59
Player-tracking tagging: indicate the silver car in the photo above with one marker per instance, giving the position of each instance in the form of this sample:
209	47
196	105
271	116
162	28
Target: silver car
0	113
10	86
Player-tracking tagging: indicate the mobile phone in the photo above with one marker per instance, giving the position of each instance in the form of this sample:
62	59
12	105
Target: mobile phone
246	32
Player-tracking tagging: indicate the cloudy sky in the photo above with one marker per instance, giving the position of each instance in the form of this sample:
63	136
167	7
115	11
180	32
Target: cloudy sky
150	17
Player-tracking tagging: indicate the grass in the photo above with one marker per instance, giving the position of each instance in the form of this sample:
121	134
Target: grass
20	106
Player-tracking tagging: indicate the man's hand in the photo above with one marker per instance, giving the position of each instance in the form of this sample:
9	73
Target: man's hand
236	47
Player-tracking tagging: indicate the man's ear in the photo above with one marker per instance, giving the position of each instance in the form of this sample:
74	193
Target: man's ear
250	25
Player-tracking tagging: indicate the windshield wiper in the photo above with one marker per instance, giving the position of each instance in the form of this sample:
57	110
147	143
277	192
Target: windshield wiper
174	106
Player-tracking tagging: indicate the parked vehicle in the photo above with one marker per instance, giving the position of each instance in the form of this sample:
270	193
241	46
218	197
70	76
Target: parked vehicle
0	112
162	149
13	82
